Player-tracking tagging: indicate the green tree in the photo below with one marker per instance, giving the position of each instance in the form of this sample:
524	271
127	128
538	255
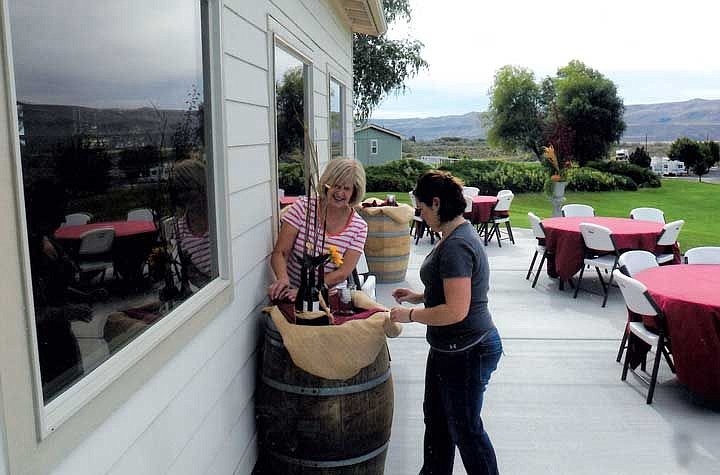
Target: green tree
290	115
514	114
691	153
138	161
640	157
82	164
578	100
382	65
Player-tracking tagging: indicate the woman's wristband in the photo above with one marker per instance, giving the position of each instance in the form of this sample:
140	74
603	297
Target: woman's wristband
410	314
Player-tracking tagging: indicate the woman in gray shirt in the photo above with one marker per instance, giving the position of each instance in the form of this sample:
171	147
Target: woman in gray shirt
465	346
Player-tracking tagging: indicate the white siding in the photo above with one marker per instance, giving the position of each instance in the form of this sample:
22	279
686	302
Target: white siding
197	414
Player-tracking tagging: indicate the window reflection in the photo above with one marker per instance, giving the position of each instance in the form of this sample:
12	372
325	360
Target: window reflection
290	79
336	118
112	135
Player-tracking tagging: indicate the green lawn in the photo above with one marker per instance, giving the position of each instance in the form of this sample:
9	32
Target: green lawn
696	203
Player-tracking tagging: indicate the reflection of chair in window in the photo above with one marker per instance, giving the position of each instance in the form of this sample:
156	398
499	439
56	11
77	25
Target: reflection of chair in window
75	219
140	214
95	246
362	277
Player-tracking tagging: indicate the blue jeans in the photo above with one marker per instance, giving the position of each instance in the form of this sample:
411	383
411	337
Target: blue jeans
454	387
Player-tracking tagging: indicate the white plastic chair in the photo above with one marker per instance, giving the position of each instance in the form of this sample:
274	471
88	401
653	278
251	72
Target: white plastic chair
648	214
598	238
140	214
632	262
499	216
703	255
364	280
77	219
94	248
639	301
577	211
668	237
468	203
471	191
539	233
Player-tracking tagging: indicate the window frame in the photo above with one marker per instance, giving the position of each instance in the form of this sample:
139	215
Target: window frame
374	145
333	77
280	36
40	435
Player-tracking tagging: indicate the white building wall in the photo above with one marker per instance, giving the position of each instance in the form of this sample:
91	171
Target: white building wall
196	415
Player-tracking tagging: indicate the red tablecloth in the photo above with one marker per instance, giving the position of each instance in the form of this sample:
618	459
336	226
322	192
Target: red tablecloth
122	229
287	201
481	209
689	296
564	241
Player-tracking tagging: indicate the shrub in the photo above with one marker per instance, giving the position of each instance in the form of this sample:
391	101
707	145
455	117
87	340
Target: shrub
291	178
640	158
643	177
398	175
589	179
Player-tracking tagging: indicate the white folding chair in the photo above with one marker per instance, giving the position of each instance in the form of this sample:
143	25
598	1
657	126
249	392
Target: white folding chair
471	191
639	301
630	263
500	215
363	279
140	214
648	214
703	255
539	233
76	219
95	245
668	237
600	252
577	211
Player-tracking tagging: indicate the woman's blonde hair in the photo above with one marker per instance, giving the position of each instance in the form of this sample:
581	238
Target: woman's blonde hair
344	170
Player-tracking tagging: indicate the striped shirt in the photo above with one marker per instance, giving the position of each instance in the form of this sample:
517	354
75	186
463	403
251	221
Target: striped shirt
352	237
195	246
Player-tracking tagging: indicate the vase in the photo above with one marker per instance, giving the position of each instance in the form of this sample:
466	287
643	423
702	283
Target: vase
558	189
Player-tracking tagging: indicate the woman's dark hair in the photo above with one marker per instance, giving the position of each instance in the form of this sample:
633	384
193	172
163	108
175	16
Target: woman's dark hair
442	185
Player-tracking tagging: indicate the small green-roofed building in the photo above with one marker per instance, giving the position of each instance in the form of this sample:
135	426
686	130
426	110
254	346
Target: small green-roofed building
375	145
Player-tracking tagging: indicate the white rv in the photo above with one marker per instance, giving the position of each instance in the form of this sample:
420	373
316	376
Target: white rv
622	155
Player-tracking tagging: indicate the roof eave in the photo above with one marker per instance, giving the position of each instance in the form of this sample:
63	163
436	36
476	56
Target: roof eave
363	16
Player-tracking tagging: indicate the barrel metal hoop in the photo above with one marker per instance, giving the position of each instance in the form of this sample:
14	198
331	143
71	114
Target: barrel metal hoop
386	259
390	234
330	463
337	391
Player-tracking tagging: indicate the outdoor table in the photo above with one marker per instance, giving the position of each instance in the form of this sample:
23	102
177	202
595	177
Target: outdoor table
132	245
564	241
287	201
689	297
482	208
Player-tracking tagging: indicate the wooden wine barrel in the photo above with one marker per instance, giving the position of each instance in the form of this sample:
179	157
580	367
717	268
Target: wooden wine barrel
387	248
315	426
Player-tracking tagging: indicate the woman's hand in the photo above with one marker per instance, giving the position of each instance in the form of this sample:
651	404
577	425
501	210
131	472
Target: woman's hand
407	295
400	314
279	289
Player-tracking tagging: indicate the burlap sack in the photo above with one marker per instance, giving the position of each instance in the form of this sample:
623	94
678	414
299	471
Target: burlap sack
401	213
337	352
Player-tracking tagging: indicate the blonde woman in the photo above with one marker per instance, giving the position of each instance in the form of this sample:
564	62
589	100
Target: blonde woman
342	186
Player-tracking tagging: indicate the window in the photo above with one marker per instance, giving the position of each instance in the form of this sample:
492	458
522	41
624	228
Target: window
373	147
115	149
337	123
291	82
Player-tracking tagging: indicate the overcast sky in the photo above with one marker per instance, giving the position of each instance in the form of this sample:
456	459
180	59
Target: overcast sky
655	51
129	53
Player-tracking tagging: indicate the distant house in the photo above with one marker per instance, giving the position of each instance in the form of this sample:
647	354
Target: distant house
375	145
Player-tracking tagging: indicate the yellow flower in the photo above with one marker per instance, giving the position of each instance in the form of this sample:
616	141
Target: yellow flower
335	256
552	158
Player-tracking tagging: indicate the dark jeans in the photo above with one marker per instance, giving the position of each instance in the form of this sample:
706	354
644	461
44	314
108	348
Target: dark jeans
454	387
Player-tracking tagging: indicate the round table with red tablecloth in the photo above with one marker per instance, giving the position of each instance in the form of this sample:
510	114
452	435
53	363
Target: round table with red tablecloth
132	245
689	297
482	208
564	241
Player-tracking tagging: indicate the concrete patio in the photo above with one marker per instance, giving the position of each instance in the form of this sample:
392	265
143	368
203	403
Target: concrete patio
556	404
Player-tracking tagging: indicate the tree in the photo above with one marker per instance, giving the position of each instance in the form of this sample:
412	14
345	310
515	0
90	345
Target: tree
514	114
691	153
640	157
578	100
290	115
82	164
382	65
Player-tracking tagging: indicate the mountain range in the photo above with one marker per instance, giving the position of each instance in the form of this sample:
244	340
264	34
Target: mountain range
664	122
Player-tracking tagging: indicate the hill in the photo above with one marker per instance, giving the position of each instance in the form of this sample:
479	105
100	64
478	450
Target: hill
697	119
